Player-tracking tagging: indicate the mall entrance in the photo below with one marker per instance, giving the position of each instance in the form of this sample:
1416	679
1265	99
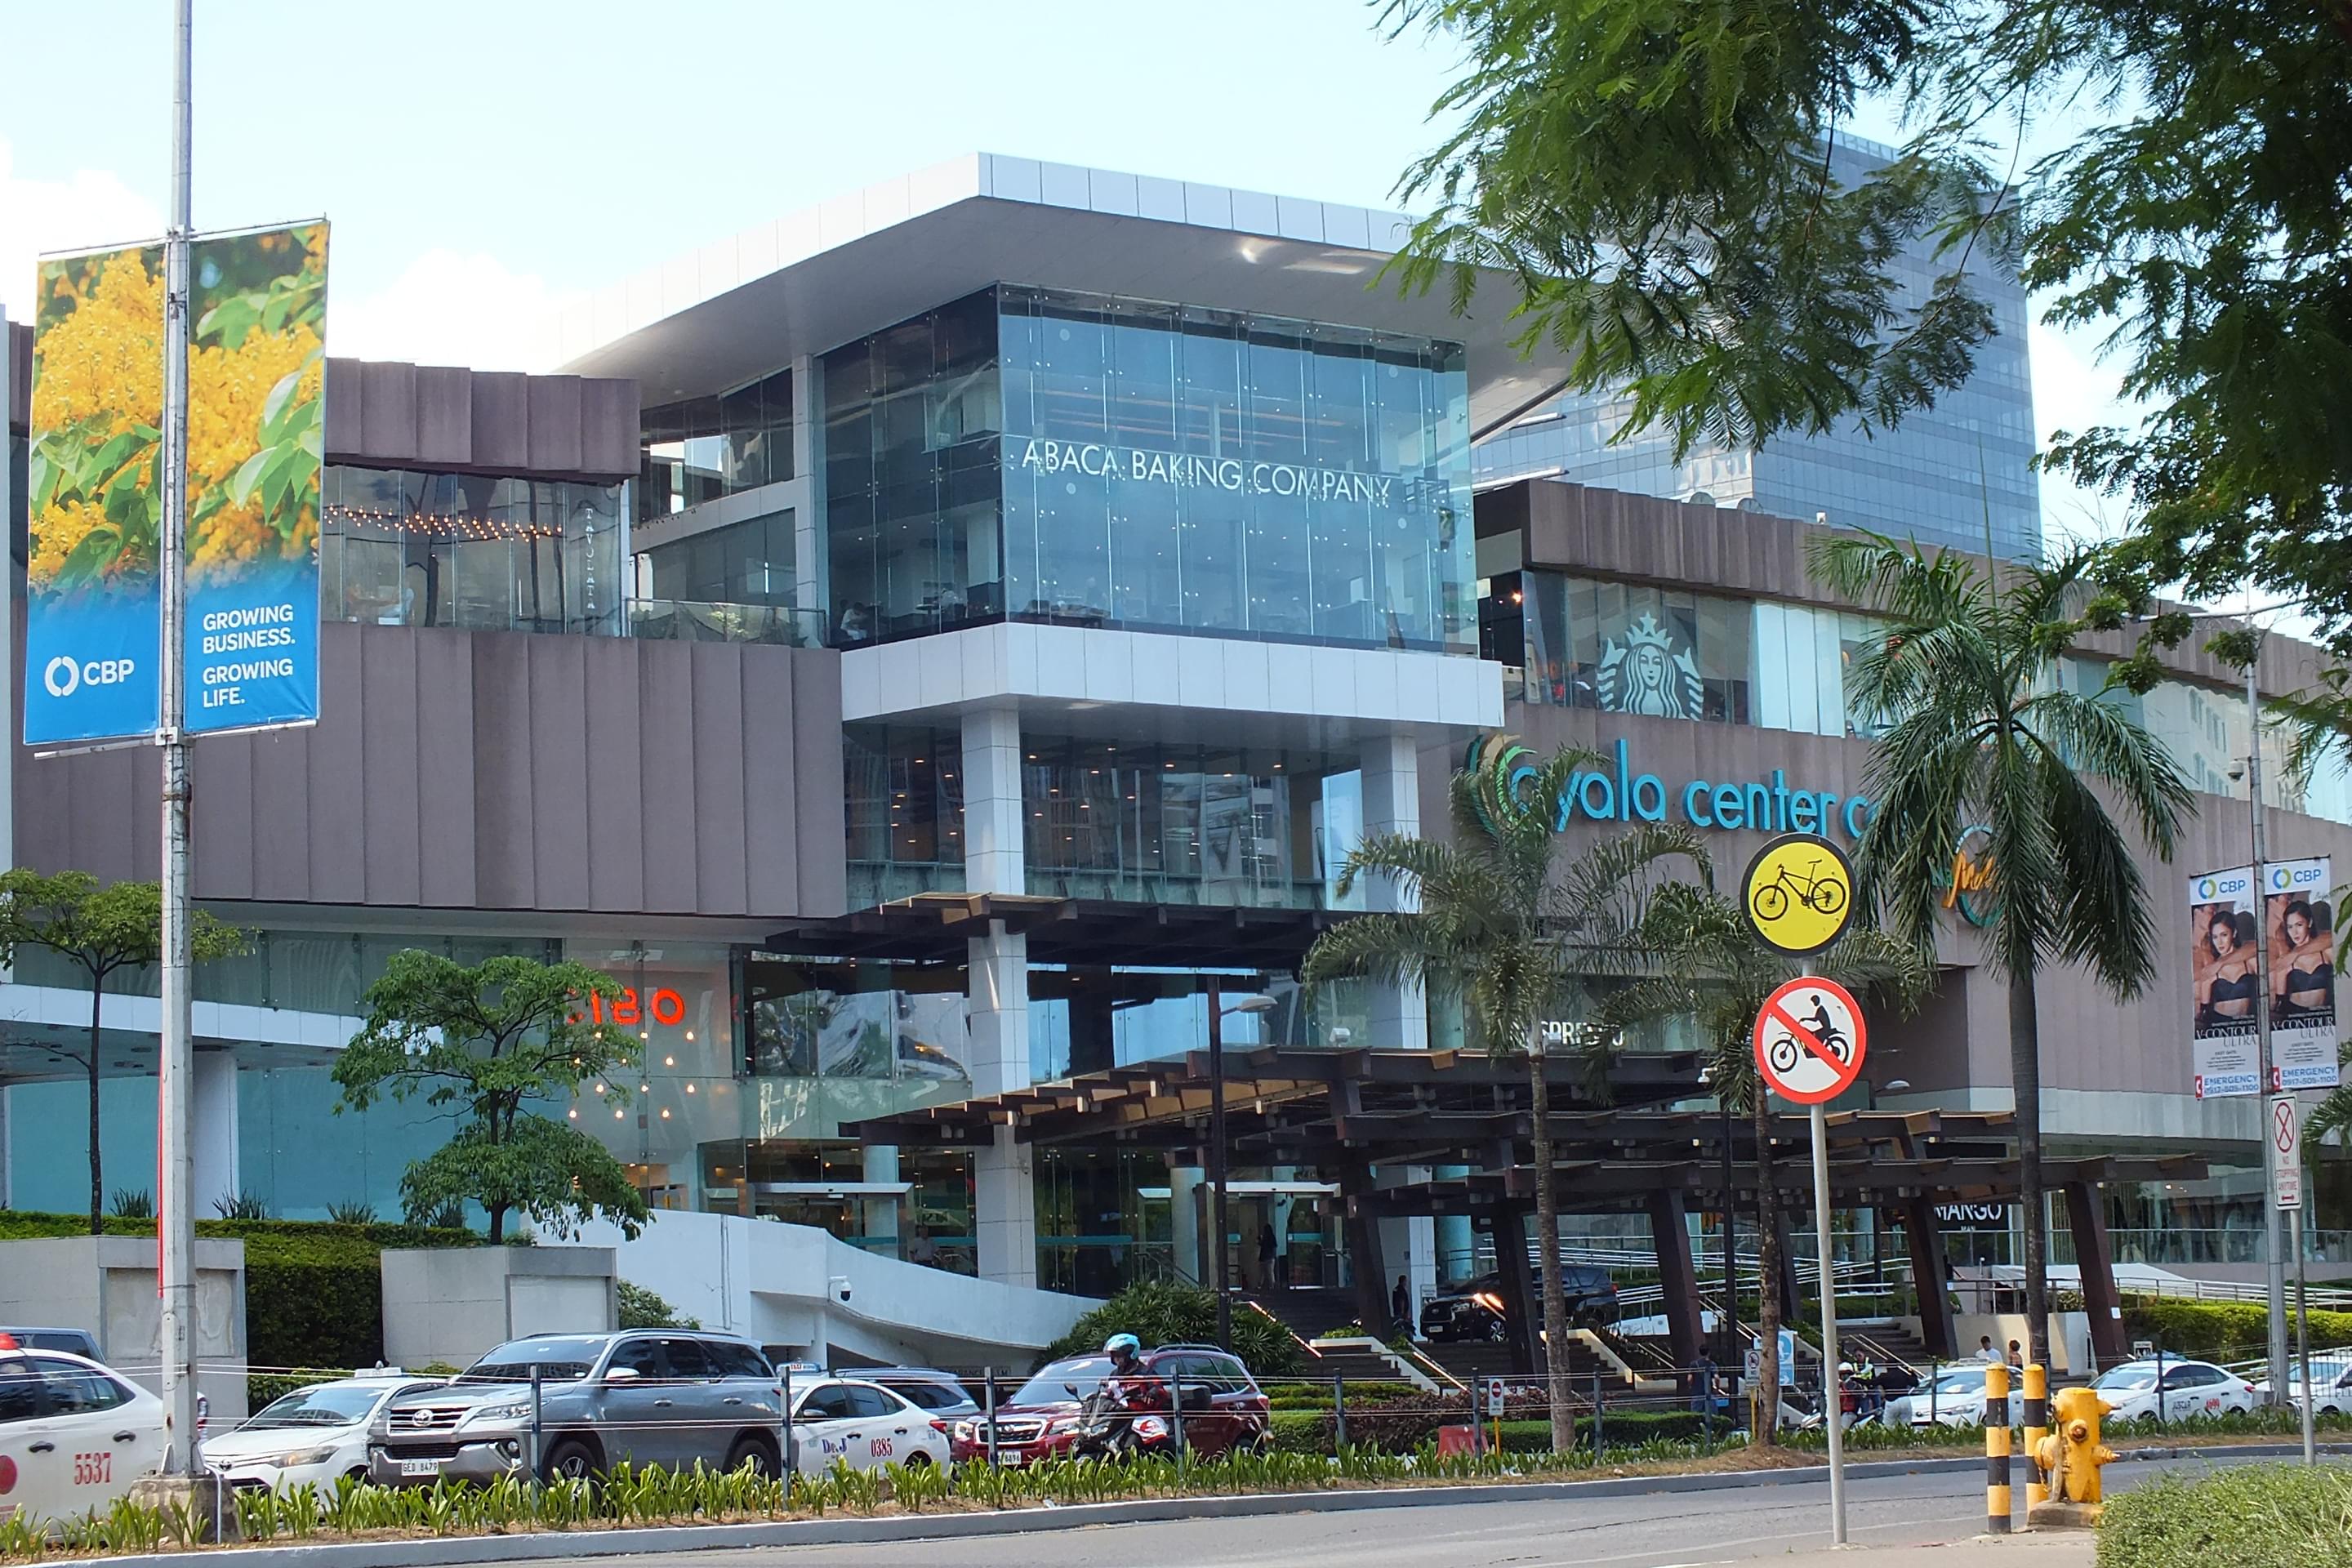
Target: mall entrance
1280	1235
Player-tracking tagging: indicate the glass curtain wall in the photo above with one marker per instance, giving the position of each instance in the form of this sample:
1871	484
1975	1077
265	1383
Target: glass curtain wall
1175	468
1170	823
402	547
911	417
707	448
747	562
903	801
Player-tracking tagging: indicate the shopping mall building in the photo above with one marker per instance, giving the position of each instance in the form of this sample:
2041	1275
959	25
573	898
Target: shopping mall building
916	644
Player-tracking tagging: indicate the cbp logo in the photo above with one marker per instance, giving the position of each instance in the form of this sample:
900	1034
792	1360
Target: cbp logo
63	676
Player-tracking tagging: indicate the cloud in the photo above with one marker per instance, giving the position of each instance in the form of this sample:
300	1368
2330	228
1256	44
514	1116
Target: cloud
91	208
450	307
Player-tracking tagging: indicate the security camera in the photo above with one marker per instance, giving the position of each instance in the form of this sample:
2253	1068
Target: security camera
841	1288
2237	773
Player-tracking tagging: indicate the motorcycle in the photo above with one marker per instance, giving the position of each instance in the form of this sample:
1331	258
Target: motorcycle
1123	1419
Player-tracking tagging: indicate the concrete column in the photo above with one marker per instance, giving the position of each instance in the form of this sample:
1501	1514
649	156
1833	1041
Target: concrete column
995	859
997	1000
1367	1261
1522	1302
215	1115
2100	1303
1930	1276
812	585
882	1216
1390	765
1004	1198
1184	1182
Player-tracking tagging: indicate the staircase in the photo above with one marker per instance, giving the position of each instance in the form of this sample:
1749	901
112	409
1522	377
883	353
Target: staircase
1887	1341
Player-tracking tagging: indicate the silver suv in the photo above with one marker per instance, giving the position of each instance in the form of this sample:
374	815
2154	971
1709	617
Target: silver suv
661	1397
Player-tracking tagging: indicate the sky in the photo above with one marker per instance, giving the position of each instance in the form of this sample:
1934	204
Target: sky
483	163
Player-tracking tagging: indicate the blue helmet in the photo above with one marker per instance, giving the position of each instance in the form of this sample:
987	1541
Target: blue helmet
1122	1344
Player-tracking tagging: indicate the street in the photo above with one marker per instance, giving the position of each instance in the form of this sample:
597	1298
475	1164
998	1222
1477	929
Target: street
1661	1531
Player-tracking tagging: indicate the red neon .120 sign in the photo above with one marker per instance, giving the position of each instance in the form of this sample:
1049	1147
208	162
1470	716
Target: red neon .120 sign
666	1007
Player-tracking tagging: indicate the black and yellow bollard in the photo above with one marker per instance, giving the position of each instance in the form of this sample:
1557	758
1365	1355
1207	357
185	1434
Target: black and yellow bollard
1996	1413
2037	1427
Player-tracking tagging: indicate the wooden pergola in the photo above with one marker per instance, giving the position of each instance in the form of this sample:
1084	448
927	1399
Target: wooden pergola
1378	1121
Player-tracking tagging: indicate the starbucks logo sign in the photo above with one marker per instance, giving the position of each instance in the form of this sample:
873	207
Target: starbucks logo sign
1649	673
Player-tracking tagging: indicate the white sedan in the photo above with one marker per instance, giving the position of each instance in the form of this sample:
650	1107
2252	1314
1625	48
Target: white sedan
314	1433
863	1424
1954	1396
2331	1386
2190	1388
73	1434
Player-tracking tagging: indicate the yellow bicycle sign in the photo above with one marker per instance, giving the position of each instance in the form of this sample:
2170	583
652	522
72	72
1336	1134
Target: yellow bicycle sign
1797	893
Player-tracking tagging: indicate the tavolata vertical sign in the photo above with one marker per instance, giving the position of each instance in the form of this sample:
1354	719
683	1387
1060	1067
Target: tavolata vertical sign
2226	975
257	370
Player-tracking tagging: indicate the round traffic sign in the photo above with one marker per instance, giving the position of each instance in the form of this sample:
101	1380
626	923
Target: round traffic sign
1798	892
1810	1040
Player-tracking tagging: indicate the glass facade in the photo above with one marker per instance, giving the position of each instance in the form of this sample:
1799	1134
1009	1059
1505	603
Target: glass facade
903	805
1948	474
707	448
747	562
402	547
1086	460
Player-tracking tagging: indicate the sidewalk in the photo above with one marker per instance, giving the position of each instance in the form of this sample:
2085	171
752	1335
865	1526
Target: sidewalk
2069	1549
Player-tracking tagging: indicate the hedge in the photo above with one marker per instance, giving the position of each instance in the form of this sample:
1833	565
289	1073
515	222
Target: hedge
2218	1331
2281	1516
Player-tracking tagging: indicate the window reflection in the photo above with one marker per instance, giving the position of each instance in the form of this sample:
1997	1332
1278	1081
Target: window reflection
402	547
747	562
706	447
903	801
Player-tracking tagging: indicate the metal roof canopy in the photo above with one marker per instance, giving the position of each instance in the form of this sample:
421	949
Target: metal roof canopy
932	928
716	318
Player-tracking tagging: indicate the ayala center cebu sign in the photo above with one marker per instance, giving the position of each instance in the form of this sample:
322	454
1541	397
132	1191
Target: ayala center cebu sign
1615	792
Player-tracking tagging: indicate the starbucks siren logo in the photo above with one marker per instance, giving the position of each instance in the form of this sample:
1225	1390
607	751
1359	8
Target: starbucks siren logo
1649	675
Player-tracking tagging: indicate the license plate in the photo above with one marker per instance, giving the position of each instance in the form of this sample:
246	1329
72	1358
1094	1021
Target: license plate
1008	1459
420	1467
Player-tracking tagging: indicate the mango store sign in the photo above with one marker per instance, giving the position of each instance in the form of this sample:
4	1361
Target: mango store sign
1616	792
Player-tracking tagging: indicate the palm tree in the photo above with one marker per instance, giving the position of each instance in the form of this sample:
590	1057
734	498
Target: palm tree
1709	966
1985	734
1516	934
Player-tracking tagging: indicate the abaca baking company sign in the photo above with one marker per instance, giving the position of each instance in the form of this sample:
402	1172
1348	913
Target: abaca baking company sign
1187	471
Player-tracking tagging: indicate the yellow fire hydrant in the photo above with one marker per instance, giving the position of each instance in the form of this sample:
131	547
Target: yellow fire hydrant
2071	1456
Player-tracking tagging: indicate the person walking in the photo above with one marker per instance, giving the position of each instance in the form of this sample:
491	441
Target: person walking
1985	1352
1400	1305
1266	1249
2016	1356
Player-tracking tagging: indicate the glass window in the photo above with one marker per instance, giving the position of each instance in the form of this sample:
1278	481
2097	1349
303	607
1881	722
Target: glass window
689	1360
903	805
77	1390
405	547
20	1389
747	562
1656	651
640	1356
834	1402
706	447
868	1402
729	1359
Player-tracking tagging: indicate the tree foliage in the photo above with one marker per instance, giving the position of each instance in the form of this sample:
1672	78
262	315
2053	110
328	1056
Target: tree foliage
1985	733
489	1043
101	930
1652	177
1498	922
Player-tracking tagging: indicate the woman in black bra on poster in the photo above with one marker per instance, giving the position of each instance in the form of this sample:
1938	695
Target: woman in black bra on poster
2302	972
2226	982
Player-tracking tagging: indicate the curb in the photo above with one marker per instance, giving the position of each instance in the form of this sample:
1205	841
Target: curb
546	1545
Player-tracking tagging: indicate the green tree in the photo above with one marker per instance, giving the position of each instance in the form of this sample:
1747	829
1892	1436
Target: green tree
102	932
489	1041
1518	934
1652	177
1985	733
1706	965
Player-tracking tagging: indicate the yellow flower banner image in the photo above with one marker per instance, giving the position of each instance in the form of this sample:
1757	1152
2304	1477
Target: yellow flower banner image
257	423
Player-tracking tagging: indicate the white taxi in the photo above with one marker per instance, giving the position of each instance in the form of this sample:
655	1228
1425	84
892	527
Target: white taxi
73	1434
862	1425
314	1434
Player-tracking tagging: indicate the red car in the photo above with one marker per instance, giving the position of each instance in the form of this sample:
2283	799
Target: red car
1225	1409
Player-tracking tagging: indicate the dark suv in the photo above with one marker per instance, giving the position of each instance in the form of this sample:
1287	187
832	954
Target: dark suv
1474	1310
1225	1409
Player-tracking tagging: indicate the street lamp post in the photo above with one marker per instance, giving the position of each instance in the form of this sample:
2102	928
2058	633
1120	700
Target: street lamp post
1217	1011
2276	1274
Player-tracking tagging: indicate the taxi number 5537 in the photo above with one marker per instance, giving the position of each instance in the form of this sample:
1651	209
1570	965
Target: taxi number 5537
94	1470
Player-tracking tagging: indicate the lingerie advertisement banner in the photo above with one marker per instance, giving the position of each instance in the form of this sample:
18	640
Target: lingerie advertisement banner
2227	974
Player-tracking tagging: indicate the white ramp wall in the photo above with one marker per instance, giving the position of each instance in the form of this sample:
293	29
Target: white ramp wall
798	1286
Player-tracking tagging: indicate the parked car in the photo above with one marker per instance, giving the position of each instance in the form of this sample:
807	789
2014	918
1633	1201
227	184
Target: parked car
1953	1397
2190	1388
2331	1386
73	1342
73	1434
666	1397
1474	1310
314	1434
862	1425
935	1392
1223	1408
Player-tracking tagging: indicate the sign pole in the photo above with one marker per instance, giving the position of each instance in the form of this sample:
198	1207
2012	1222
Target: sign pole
2303	1342
1833	1400
174	1205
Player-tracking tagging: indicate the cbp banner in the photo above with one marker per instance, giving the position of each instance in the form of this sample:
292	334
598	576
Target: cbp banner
2226	917
257	371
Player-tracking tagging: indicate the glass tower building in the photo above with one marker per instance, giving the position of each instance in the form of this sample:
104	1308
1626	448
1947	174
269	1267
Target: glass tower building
1952	475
